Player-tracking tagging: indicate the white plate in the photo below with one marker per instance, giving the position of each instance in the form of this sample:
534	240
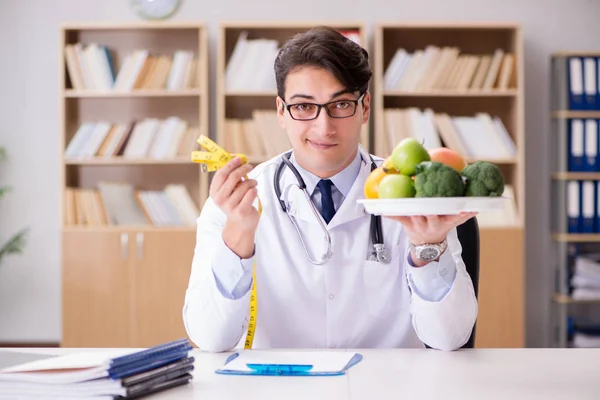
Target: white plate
433	205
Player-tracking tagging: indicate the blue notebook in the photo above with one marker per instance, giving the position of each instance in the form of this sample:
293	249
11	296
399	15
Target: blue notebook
289	363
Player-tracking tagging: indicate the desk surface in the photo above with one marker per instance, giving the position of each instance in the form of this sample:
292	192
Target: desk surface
410	373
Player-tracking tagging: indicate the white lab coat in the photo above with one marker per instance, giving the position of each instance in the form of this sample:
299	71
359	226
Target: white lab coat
348	302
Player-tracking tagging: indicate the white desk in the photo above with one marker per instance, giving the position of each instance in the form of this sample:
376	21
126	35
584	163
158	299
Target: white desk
507	374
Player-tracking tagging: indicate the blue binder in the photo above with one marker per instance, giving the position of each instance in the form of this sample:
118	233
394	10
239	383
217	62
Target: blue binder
576	145
588	206
597	201
574	204
576	83
591	144
590	81
285	369
145	360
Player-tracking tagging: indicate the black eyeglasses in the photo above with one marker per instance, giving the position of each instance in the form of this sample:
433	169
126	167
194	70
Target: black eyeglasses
335	109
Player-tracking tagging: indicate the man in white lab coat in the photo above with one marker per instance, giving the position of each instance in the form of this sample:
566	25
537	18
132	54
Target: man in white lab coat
422	296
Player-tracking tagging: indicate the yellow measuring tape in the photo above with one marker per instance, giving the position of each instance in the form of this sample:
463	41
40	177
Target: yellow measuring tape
211	160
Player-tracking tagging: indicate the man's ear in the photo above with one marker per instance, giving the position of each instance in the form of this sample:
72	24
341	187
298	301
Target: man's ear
280	111
366	107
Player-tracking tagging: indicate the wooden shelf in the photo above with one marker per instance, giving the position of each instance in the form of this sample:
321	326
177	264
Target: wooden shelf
501	321
571	243
129	26
267	93
124	161
128	228
575	175
241	111
564	299
111	273
70	93
576	237
575	114
576	54
450	93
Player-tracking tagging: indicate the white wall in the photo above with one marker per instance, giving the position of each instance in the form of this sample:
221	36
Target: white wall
29	39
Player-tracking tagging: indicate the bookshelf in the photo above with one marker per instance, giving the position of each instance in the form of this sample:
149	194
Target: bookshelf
575	177
246	116
460	85
133	99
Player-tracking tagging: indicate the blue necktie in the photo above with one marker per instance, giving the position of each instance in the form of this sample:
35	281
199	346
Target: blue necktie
327	208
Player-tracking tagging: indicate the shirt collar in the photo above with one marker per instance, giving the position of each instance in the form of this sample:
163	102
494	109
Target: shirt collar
343	180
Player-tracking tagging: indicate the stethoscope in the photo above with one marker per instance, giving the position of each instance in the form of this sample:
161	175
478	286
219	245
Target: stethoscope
379	253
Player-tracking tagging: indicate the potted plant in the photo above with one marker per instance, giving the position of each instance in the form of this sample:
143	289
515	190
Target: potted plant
15	244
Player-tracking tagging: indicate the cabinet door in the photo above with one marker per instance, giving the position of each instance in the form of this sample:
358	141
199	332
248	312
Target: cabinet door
96	290
501	289
163	262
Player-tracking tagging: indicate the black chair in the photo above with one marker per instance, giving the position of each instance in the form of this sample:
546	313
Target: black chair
468	236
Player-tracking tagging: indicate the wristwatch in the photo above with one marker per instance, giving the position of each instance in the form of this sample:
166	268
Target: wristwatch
428	251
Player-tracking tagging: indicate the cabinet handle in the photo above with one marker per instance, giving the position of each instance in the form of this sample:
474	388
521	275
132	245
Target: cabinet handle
140	244
124	245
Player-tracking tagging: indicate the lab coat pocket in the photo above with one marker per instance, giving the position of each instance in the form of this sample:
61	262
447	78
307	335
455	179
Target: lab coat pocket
385	284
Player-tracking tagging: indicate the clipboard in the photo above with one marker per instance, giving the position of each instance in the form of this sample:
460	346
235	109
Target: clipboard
282	363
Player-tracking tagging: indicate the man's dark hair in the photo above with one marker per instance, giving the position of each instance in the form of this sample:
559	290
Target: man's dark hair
326	48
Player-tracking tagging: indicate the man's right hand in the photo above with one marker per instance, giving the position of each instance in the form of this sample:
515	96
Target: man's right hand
234	197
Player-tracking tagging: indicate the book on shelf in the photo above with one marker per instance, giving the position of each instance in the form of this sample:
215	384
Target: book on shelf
505	217
104	374
576	83
480	136
260	136
250	66
121	204
149	138
92	67
437	68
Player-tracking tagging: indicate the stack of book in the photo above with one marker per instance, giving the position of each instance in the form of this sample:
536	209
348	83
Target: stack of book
110	374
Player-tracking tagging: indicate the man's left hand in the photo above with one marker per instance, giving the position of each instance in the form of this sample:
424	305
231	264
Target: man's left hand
431	228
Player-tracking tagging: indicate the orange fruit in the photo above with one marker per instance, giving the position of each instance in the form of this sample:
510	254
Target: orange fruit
372	183
448	157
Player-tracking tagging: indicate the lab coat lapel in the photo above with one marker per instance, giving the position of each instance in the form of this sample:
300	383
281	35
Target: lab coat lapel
295	199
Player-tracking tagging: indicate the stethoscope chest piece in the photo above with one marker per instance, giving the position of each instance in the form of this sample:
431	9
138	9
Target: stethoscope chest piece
380	254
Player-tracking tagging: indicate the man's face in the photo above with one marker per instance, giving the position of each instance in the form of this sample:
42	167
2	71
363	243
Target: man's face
325	145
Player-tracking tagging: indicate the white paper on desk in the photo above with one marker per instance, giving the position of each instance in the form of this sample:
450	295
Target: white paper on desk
69	368
321	361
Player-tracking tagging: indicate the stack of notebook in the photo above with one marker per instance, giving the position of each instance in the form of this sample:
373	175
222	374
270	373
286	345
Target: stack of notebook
107	374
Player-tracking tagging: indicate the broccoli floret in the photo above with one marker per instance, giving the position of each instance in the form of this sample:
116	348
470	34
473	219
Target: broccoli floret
483	179
434	179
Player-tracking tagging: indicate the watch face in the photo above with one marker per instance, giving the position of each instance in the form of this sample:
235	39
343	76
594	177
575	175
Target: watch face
429	253
155	9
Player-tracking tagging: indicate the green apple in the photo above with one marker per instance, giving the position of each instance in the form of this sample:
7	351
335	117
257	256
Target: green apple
407	154
396	186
